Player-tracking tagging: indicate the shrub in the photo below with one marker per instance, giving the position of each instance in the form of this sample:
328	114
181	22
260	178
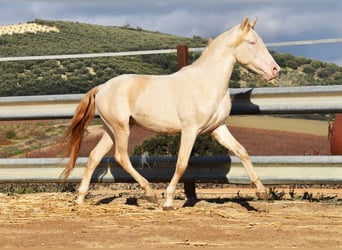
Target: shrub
323	73
308	69
292	64
11	134
163	145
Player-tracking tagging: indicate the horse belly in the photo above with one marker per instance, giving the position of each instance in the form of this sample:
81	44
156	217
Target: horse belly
158	123
156	114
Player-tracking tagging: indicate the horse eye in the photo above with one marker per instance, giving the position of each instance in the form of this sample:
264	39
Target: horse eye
252	42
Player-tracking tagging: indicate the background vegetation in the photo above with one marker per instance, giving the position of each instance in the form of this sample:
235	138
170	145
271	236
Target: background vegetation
168	145
79	75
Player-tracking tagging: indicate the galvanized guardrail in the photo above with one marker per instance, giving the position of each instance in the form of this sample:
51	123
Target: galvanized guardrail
311	99
215	169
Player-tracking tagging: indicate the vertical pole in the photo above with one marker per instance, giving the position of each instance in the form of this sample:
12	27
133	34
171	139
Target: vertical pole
182	56
183	60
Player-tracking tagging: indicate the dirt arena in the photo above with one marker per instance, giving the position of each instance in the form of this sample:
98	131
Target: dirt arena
112	218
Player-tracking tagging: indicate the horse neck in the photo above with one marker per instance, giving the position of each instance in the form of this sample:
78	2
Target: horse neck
217	60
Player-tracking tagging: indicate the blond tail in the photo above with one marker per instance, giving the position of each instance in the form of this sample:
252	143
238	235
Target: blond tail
74	134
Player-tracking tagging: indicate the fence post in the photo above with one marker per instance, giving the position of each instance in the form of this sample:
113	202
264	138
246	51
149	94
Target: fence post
182	56
183	60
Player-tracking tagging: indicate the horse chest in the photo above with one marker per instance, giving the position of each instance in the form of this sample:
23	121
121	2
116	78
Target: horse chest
217	115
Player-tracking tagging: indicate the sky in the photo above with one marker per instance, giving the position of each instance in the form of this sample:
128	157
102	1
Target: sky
278	20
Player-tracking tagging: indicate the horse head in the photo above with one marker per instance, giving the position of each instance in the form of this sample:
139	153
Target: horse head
251	52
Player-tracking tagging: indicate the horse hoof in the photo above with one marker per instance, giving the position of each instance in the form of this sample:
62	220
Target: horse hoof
263	195
77	203
168	208
79	200
152	199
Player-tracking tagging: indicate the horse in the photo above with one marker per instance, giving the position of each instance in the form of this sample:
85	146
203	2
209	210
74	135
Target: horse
191	101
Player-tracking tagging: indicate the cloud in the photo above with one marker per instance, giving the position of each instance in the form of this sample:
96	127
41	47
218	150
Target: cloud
281	20
204	18
285	23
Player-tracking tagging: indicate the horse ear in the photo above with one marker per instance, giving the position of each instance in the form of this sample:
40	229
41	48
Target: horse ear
244	23
245	28
252	24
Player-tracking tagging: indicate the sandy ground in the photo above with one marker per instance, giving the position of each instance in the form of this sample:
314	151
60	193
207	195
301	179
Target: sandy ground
112	218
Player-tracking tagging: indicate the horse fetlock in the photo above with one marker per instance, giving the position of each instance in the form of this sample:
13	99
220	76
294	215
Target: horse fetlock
257	183
168	204
261	191
80	198
149	191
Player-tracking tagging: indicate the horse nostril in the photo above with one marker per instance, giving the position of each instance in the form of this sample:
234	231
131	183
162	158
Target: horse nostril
275	70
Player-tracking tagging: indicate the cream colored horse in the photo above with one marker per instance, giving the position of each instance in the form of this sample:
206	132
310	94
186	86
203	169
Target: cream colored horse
192	101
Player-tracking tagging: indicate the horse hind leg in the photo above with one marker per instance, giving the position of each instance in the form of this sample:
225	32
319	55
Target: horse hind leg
225	138
121	135
103	146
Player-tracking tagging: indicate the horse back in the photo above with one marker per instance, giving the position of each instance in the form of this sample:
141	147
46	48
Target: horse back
147	100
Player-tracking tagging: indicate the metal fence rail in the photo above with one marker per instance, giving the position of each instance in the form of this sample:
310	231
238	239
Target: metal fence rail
311	99
153	52
218	169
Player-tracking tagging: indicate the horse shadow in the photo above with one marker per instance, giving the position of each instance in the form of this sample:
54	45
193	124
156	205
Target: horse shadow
243	202
241	102
106	200
132	201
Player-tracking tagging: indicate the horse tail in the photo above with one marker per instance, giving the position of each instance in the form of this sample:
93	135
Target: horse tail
73	135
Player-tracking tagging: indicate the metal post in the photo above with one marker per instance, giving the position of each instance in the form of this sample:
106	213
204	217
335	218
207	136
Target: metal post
183	60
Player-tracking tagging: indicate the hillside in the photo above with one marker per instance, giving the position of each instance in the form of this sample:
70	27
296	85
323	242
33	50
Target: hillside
79	75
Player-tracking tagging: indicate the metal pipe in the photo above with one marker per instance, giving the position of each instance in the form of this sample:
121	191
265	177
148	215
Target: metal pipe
205	169
294	100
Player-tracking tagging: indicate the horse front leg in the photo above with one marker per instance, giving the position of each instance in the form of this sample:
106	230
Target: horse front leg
95	156
186	144
225	138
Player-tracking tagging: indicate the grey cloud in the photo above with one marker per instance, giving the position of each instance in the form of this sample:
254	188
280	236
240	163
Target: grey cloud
281	20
